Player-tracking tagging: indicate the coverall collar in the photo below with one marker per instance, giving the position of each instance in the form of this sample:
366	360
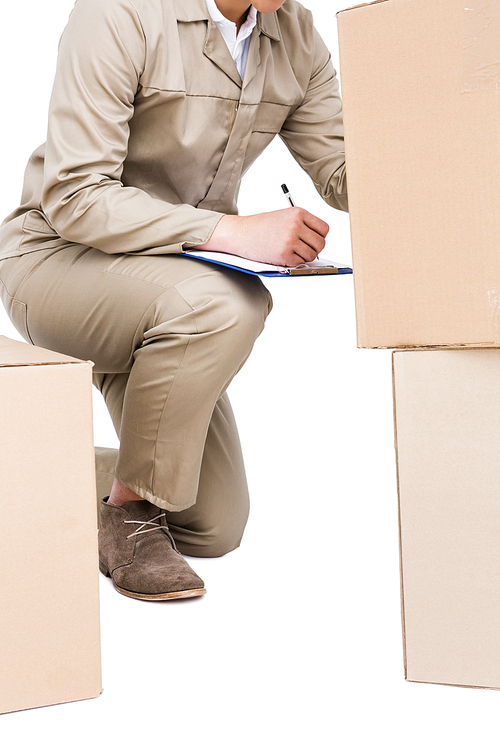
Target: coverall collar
196	10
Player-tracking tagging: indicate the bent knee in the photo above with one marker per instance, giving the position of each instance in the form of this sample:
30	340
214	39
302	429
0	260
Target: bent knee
226	300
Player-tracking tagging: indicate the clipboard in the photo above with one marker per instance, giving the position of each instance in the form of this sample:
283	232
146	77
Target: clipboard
315	268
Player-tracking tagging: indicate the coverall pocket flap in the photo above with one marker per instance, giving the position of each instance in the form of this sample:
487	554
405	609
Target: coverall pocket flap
36	222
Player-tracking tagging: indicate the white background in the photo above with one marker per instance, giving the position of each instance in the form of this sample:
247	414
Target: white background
297	643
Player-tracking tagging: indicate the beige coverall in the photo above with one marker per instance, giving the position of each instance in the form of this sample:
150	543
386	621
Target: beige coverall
150	131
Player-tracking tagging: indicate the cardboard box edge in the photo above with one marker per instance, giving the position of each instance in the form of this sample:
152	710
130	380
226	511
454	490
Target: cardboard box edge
401	576
453	684
430	347
87	697
361	5
65	358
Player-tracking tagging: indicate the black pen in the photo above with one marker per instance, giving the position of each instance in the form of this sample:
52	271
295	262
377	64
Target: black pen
287	193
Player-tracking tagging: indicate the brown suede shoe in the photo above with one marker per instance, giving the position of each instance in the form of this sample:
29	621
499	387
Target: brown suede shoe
137	552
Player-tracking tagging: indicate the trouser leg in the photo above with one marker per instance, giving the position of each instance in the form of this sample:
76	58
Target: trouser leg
214	525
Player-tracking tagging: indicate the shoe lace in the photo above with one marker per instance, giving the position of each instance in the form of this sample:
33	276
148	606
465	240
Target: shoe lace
151	523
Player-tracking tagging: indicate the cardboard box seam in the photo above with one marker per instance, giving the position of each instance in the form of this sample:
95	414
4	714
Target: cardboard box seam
44	364
447	348
433	347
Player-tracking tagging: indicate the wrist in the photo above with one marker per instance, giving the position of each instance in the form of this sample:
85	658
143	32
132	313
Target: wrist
224	238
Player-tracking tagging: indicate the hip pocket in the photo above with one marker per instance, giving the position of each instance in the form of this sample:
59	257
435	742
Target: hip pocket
18	313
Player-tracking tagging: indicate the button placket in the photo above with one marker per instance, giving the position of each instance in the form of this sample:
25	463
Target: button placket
231	164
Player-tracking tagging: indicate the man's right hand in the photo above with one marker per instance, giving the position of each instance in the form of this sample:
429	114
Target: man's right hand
287	237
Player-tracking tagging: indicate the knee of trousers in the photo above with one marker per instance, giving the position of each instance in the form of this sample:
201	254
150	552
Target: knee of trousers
231	307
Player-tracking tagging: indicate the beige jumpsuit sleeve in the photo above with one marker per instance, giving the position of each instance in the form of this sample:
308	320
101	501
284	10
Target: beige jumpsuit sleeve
314	131
101	57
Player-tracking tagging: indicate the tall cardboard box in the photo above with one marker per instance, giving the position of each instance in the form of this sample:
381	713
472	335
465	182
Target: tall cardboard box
447	415
49	606
421	94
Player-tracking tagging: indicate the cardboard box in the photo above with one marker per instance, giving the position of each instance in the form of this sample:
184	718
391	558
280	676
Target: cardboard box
49	606
447	416
421	93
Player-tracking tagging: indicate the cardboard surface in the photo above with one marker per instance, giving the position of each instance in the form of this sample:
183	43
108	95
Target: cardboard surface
49	613
447	415
421	95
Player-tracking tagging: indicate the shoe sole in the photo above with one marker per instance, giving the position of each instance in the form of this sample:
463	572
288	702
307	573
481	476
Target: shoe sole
187	594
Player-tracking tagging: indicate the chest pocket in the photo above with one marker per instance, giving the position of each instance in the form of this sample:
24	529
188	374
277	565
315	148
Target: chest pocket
270	117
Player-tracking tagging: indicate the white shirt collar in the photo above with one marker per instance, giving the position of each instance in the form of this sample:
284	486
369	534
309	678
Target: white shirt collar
225	25
238	44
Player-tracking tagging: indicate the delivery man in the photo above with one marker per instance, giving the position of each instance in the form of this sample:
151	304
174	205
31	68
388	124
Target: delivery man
158	109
